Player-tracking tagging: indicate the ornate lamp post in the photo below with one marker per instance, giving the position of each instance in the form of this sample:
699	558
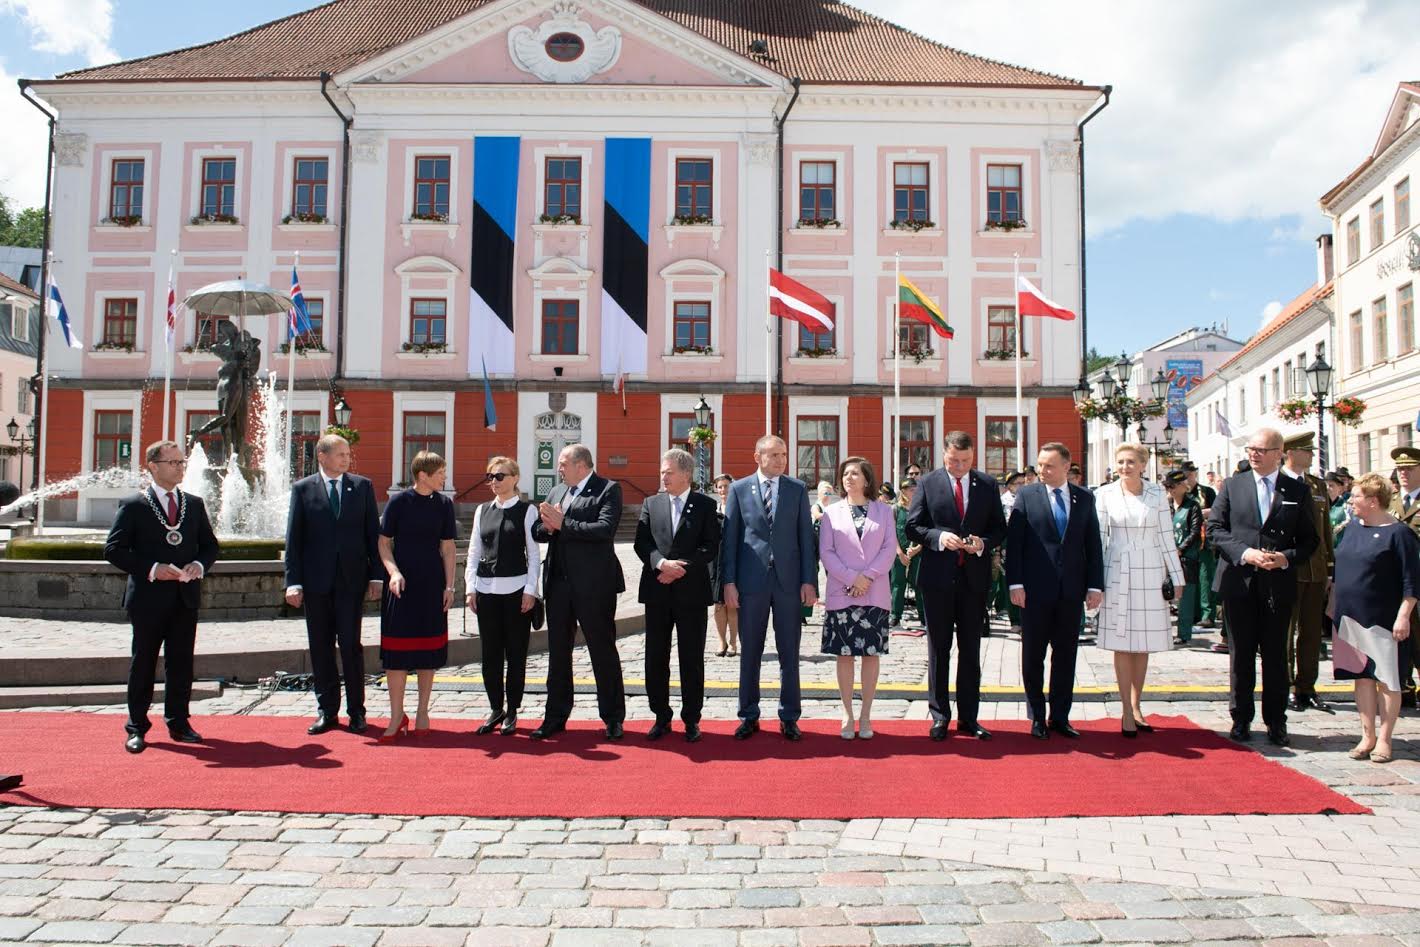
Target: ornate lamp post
1319	383
702	444
21	439
1157	448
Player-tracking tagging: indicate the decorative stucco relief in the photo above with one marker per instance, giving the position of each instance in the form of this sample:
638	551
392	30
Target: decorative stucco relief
529	48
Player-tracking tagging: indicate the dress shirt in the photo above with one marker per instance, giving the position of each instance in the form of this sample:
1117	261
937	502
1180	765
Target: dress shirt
579	487
1409	500
965	505
773	483
684	498
503	584
1267	493
162	496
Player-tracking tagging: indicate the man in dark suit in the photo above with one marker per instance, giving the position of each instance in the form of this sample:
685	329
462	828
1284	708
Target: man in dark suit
163	540
677	537
769	561
956	516
332	566
581	580
1054	564
1262	526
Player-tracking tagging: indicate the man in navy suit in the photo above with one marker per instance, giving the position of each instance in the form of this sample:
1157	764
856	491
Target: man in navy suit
769	561
1261	525
332	566
163	540
956	516
1054	564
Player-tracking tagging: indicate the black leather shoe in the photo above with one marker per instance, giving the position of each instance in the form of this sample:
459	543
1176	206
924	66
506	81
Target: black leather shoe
185	735
1316	703
974	730
658	729
1298	703
322	724
491	724
510	725
357	724
547	729
614	731
1063	728
1277	735
1126	733
746	729
791	731
1241	732
939	731
1037	730
692	733
135	743
8	783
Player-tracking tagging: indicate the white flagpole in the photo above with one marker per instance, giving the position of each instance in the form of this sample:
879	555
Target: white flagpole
1020	419
290	371
768	347
43	433
897	369
168	350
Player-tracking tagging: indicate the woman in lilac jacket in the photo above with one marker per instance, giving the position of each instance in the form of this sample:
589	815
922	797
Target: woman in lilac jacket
857	542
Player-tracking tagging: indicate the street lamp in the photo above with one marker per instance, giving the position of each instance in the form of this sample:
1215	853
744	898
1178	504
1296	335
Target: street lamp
702	447
1081	391
21	439
1106	384
1160	386
1319	381
1158	448
342	412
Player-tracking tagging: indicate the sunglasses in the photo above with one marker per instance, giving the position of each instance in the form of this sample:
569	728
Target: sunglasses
500	477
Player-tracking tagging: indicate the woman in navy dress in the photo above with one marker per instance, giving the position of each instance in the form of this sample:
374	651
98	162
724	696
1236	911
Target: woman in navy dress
417	545
1377	578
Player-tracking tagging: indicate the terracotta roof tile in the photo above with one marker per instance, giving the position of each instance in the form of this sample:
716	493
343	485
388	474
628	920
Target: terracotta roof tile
1292	310
820	41
8	285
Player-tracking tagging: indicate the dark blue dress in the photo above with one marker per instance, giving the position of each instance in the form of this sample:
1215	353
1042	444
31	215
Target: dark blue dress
414	628
1376	567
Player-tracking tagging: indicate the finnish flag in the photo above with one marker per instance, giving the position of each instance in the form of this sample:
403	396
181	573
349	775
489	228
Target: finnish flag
56	309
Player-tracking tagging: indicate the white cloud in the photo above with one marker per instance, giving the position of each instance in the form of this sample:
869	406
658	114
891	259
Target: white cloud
68	27
1270	311
22	163
1222	109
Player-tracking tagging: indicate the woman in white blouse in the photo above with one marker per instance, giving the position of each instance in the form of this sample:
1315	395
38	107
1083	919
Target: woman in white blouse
1136	529
501	582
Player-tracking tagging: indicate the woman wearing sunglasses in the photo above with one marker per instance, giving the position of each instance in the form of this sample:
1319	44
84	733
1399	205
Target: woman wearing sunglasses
501	580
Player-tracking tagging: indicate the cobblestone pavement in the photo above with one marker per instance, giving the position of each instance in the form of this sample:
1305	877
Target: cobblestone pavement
128	877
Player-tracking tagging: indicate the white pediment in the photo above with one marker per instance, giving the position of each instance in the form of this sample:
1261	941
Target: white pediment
565	42
559	267
426	264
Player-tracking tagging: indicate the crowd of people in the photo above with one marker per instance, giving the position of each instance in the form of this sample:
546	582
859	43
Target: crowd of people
1284	558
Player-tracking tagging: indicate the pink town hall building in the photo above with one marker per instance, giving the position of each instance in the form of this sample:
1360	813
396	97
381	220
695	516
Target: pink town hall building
556	195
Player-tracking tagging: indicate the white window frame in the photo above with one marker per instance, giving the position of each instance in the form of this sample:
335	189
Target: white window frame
108	401
687	271
560	270
984	324
200	155
147	156
935	186
23	322
1006	407
819	407
332	191
100	300
428	268
412	152
1027	163
839	160
914	407
717	177
685	404
426	402
563	150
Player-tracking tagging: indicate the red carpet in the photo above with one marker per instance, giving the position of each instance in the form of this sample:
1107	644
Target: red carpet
270	764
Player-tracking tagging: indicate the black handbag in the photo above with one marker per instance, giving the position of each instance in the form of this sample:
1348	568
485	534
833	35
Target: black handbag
1168	590
539	615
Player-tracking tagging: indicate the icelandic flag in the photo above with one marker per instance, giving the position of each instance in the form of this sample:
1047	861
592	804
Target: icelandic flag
299	322
56	309
490	414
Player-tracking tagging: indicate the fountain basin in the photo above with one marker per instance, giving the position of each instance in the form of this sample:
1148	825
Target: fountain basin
88	590
77	548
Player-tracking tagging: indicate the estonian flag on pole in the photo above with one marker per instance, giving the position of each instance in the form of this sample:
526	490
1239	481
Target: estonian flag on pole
56	308
490	415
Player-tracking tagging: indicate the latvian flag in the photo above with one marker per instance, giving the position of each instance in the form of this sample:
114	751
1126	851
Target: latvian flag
1031	302
790	299
626	259
914	304
495	216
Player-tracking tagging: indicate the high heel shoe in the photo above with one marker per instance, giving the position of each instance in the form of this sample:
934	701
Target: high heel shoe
392	737
1127	733
1141	725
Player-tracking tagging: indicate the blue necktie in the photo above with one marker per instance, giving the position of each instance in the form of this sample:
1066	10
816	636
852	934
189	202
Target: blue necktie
1062	515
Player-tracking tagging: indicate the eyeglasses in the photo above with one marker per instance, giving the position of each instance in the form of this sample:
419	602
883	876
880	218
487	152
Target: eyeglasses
500	477
1261	450
179	463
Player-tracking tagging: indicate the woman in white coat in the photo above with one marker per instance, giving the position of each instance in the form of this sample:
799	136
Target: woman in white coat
1136	528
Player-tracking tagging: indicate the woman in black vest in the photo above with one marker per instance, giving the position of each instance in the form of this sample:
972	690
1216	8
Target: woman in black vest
501	581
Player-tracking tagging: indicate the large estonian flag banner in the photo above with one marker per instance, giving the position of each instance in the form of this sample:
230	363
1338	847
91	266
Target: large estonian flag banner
495	213
624	256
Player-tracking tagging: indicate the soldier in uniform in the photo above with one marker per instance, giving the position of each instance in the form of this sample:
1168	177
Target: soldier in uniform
1304	635
1405	506
1207	613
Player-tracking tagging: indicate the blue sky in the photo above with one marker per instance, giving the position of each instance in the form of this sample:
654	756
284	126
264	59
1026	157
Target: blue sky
1227	122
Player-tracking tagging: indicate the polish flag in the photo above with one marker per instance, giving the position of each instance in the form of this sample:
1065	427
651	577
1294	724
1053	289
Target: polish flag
1032	302
790	299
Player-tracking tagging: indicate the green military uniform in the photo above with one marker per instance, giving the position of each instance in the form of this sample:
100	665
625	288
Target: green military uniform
1207	611
1408	512
904	575
1188	537
1304	632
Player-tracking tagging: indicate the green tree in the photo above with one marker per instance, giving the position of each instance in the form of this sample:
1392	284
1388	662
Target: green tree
7	218
26	230
1095	361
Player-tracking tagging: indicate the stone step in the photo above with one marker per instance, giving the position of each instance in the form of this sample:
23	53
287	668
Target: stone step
83	695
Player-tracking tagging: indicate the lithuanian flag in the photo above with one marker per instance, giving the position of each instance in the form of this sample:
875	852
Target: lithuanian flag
914	304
